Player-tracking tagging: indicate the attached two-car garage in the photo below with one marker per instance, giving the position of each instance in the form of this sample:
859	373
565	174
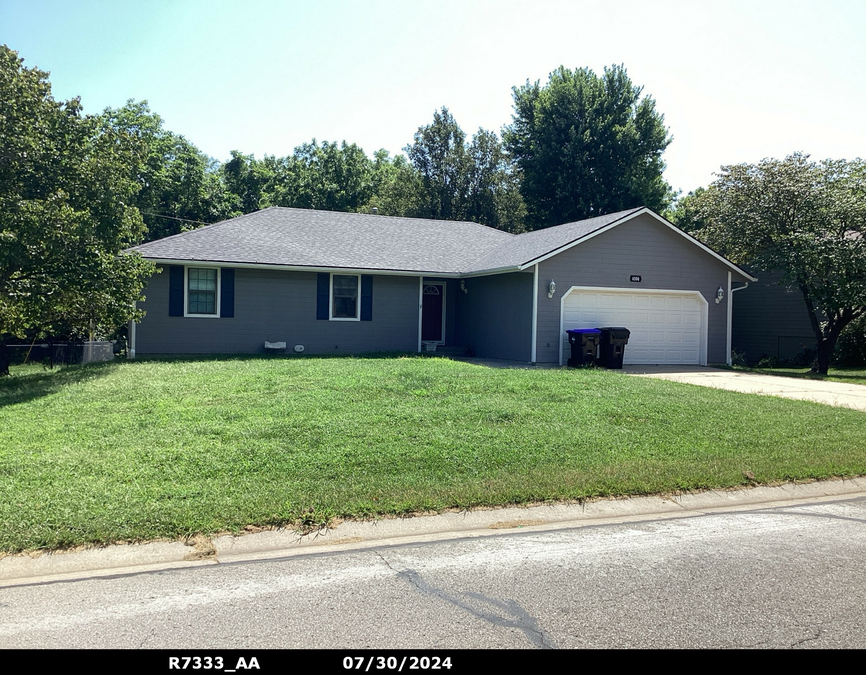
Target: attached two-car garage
667	327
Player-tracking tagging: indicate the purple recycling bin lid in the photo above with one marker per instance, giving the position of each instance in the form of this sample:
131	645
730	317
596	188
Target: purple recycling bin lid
577	331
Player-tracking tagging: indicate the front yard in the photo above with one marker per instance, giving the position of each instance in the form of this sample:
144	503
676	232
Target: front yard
151	449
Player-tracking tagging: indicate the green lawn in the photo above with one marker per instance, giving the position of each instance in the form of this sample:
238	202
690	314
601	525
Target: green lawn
847	375
150	449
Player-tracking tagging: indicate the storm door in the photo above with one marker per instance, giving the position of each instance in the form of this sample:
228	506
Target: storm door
433	313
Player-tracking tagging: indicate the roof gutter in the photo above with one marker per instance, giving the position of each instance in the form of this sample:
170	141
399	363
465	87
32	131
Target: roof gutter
730	317
305	268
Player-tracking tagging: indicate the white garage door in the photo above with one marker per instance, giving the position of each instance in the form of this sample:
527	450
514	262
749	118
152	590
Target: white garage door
666	327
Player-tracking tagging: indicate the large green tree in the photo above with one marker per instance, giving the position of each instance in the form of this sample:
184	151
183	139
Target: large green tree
684	213
438	153
492	185
248	182
587	145
462	180
804	219
180	187
327	176
65	214
397	187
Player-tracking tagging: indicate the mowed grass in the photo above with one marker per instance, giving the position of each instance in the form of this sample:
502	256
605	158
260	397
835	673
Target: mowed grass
153	449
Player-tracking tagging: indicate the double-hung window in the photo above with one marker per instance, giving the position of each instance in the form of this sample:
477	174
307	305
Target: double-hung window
346	297
202	291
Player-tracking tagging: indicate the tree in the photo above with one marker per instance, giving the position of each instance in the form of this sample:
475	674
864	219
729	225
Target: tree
466	181
397	187
330	177
179	186
65	214
438	153
684	213
587	145
804	219
492	185
247	182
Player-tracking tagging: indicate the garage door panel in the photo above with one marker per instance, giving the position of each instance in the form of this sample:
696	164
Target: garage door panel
666	328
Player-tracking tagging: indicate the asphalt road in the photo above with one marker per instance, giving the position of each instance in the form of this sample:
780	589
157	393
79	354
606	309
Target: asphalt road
791	576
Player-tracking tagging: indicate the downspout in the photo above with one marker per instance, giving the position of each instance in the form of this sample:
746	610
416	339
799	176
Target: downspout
731	292
534	350
130	348
420	306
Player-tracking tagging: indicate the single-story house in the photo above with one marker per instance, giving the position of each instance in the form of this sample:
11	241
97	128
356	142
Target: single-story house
325	282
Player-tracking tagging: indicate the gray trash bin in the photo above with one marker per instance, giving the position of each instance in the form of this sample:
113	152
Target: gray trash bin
611	347
584	344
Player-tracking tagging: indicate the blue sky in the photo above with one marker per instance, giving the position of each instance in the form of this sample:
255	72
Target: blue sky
736	81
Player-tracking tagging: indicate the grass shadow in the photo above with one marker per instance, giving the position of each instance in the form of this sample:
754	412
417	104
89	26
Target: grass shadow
289	356
33	382
847	375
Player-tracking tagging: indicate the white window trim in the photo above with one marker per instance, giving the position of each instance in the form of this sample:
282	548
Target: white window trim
186	311
331	316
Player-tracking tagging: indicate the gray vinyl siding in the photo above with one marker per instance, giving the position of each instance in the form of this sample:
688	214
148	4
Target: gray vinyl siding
494	316
770	320
664	259
279	306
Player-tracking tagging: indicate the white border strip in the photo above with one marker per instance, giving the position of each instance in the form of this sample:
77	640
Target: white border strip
731	292
420	306
534	350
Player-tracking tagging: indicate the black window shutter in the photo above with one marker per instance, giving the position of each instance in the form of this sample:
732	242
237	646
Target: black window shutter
366	297
227	293
175	290
322	289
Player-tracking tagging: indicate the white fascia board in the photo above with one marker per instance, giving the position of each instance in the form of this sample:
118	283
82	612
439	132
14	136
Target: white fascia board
299	268
625	219
490	272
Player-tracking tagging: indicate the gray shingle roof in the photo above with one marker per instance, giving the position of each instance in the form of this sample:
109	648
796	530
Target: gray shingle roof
304	238
328	239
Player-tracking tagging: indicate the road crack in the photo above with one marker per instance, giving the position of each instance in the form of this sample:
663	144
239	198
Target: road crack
502	613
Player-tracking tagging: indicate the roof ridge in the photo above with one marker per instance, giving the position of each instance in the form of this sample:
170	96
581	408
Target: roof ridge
382	215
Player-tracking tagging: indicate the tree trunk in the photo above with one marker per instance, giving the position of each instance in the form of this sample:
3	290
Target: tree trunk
4	358
825	353
827	341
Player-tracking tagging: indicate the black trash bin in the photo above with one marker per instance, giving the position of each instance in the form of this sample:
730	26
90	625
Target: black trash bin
584	343
612	346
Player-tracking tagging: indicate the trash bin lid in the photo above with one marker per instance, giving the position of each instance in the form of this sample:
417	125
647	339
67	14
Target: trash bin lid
578	331
617	332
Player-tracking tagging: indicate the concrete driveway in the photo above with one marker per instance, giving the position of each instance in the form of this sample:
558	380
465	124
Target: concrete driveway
830	393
